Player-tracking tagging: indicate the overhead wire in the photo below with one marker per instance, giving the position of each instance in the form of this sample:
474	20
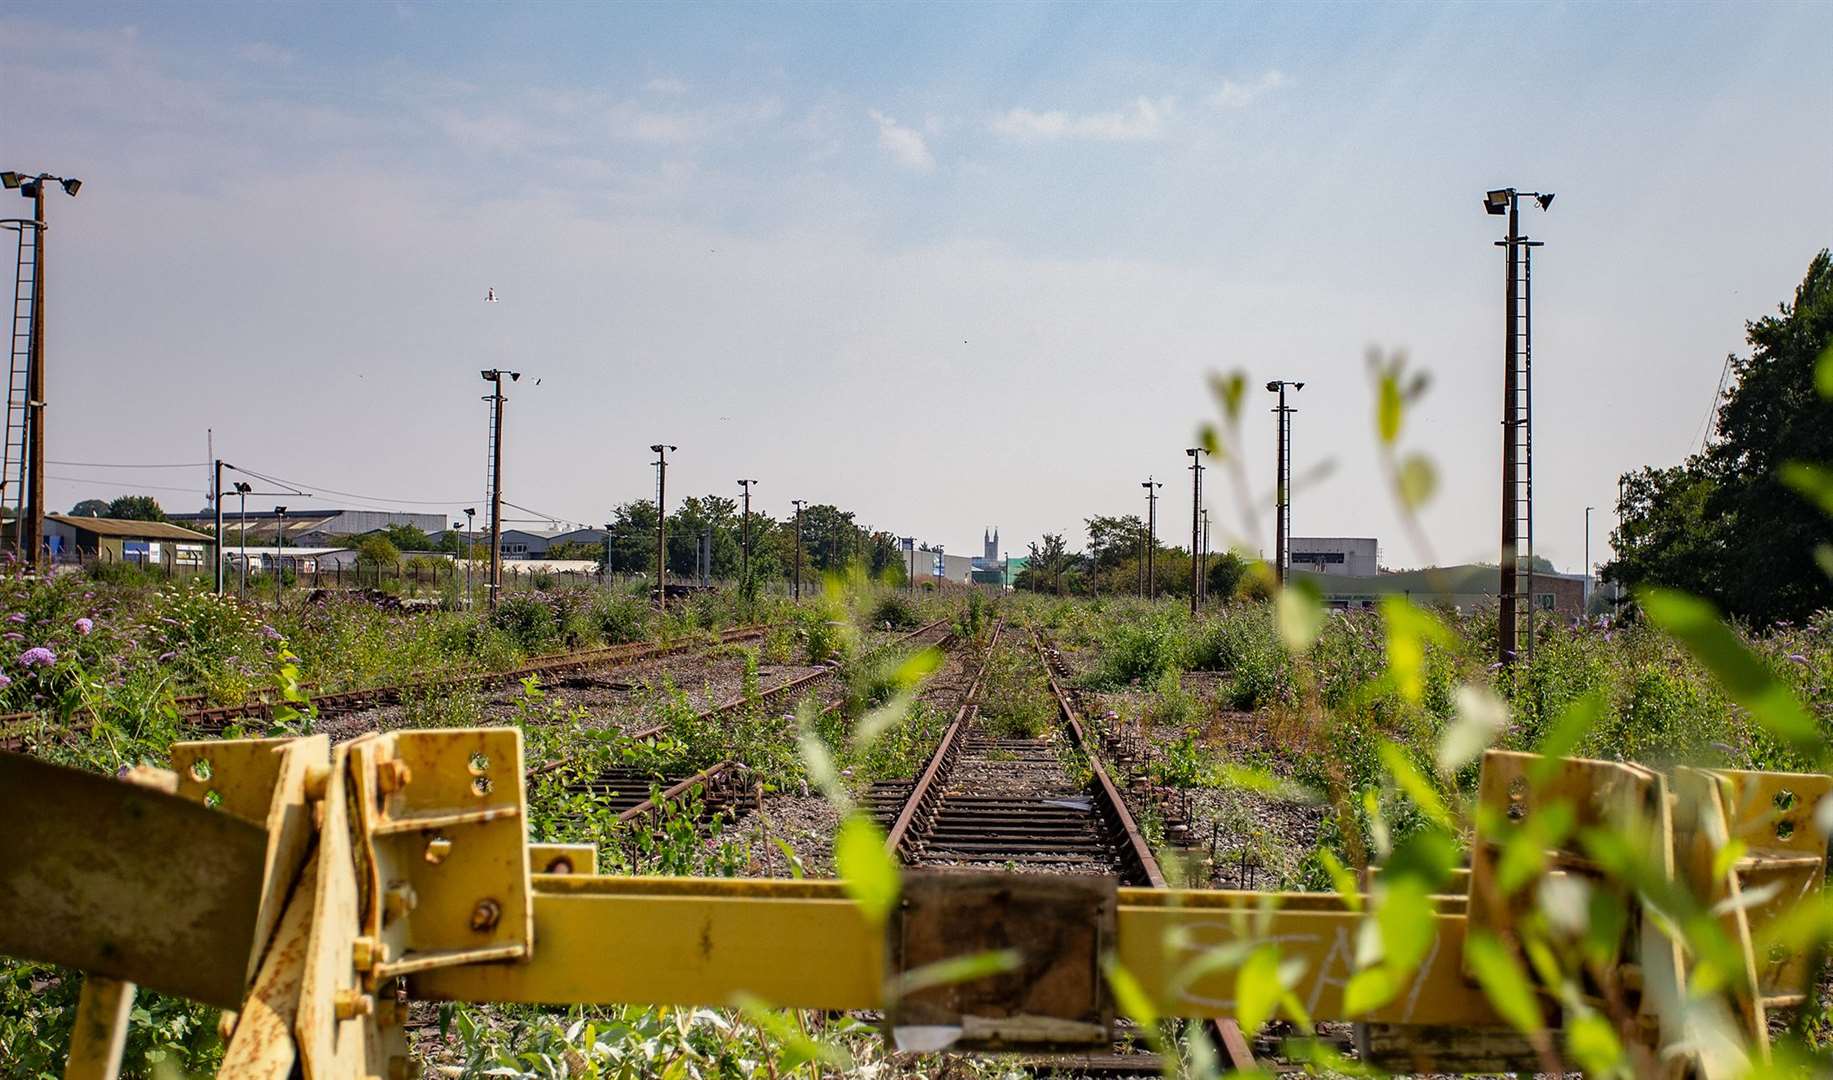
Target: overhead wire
128	465
319	489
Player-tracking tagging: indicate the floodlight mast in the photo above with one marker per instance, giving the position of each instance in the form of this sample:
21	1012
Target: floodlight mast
661	463
744	536
30	531
494	376
1196	527
1515	617
1282	483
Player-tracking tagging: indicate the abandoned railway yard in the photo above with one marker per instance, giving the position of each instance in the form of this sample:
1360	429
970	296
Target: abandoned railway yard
786	541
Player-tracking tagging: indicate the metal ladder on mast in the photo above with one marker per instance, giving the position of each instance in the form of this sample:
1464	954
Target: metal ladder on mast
13	462
1521	499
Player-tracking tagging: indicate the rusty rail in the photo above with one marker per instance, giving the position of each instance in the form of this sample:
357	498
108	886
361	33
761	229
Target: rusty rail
925	792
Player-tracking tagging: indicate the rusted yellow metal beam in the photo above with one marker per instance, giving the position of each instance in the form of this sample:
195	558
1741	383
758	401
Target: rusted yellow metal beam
706	941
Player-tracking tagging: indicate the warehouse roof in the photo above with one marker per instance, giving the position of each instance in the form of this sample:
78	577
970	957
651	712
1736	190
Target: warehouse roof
148	530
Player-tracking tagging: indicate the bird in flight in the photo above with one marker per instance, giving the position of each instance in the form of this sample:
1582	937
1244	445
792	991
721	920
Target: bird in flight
490	296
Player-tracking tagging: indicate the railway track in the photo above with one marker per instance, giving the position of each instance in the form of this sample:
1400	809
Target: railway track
18	731
986	801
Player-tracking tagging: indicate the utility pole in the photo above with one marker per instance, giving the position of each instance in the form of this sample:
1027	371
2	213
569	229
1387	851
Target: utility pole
1282	489
1204	580
279	553
799	503
1584	607
661	464
242	489
496	399
1516	612
1196	526
744	537
1151	487
31	530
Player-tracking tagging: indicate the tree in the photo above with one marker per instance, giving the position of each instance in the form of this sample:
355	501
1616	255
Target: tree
633	537
377	550
1050	567
1225	573
686	525
1722	524
829	536
90	508
135	508
407	537
1112	541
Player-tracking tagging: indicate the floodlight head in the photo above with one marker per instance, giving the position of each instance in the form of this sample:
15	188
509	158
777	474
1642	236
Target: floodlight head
1273	386
279	511
244	486
71	184
515	376
1298	386
10	180
470	511
1193	451
1545	199
1496	202
487	374
656	447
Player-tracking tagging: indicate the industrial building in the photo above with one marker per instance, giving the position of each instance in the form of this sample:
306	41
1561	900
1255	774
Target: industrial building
1464	588
312	527
1354	556
149	543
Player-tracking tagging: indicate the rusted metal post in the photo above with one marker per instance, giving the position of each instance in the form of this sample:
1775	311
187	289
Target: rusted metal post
1196	526
495	377
34	538
799	503
1506	643
1151	584
661	464
1282	484
744	536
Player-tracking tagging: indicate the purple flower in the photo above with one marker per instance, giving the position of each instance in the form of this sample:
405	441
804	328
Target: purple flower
37	656
164	656
13	635
16	617
1798	658
269	632
5	682
83	626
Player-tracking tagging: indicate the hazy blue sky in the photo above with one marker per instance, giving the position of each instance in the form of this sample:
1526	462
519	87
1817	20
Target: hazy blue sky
949	265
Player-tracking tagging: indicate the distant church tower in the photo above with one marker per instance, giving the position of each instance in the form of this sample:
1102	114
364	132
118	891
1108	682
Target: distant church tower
989	543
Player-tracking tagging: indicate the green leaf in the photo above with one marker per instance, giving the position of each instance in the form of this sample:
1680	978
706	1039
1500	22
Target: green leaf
1427	856
1416	480
1414	784
796	869
1229	390
1823	374
1593	1043
1300	609
1409	630
918	666
1258	989
1574	723
1132	999
868	872
1768	699
1813	482
1503	981
1389	406
1408	924
1481	716
956	969
1368	990
1342	878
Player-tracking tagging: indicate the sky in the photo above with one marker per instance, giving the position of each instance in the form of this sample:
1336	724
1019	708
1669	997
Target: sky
950	266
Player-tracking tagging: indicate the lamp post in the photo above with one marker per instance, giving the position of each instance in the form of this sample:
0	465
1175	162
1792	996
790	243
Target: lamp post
242	489
470	543
799	503
1196	525
1517	423
1203	581
494	376
1151	487
744	537
31	534
279	552
216	503
661	464
1282	490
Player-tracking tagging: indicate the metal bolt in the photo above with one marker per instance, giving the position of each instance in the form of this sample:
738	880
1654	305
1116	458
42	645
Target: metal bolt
486	915
353	1003
225	1024
367	953
437	849
398	901
393	775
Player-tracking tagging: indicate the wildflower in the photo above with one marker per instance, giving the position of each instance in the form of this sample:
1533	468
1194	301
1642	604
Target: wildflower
16	617
13	635
269	632
1798	658
5	682
164	656
83	626
37	656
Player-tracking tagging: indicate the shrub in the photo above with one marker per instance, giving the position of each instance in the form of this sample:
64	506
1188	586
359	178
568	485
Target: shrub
1142	651
528	621
897	612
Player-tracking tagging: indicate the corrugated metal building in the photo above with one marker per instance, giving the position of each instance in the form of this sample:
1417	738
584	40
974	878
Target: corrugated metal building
153	543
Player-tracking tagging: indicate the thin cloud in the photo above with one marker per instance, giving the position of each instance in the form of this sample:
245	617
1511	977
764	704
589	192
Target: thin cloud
905	145
665	85
1144	120
1239	95
264	53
